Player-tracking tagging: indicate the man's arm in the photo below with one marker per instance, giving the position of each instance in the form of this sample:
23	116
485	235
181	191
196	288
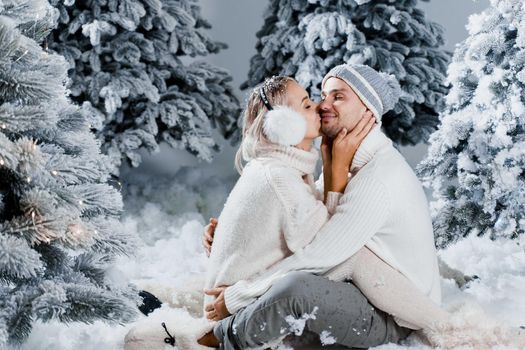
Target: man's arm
361	213
209	233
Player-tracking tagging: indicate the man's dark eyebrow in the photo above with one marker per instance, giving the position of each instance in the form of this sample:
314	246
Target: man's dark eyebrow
304	98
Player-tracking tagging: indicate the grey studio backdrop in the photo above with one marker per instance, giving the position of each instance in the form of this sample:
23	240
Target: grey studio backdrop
235	22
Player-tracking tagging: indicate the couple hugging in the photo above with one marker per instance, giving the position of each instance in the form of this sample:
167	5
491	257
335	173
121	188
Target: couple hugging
355	251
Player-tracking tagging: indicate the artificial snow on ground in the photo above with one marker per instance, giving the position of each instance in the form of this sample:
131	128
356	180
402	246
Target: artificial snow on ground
168	214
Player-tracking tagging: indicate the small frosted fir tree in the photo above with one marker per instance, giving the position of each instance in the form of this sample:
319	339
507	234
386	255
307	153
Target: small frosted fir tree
306	38
127	64
59	219
476	160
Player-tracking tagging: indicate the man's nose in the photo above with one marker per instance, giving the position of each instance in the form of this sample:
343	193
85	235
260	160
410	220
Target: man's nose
323	106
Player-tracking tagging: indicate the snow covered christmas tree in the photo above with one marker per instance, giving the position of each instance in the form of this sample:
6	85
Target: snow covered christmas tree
476	160
59	219
128	62
305	38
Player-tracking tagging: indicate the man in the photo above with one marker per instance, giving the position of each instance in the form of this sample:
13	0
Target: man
383	207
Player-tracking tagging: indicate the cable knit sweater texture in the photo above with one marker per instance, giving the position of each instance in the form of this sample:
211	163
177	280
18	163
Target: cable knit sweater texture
273	210
383	207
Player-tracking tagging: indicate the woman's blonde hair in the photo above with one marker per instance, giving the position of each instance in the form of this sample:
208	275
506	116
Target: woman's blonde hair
253	138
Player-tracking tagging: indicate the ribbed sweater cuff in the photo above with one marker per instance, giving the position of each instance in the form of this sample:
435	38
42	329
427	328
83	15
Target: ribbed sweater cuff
234	298
332	200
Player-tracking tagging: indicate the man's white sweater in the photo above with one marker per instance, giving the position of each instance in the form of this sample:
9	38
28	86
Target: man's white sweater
383	207
270	213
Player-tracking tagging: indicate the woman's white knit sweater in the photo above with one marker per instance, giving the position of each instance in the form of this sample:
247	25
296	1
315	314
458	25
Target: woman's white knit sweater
273	210
383	207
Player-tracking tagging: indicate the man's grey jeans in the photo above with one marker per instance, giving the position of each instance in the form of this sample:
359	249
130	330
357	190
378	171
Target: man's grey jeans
337	310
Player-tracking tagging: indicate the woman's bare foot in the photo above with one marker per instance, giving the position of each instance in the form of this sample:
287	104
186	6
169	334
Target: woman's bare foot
209	340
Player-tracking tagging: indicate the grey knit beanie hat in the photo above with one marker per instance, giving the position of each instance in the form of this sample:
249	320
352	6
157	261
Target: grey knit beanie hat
378	91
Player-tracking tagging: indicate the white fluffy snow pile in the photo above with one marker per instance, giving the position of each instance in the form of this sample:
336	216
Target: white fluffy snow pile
169	214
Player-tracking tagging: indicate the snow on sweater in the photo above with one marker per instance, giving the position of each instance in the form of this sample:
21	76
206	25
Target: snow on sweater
270	213
383	207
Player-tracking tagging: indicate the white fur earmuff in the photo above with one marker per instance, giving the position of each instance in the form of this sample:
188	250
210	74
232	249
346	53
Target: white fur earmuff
284	126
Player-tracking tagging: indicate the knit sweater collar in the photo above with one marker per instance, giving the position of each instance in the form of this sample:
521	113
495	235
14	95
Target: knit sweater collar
372	143
303	161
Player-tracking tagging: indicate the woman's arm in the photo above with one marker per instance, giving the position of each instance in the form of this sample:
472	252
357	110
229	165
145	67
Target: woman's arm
344	148
326	153
305	215
302	214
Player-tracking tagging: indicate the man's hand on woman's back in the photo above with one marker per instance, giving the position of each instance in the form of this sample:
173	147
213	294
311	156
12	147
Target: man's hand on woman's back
209	233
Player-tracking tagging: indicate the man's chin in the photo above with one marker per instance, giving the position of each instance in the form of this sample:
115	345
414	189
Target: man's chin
331	133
